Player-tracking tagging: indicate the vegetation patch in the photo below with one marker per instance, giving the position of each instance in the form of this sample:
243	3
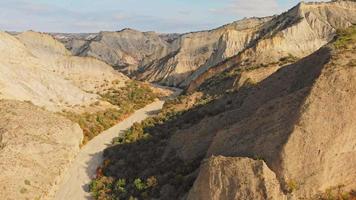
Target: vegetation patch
134	96
128	99
95	123
337	193
345	37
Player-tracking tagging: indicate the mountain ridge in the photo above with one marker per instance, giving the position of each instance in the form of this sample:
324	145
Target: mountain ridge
187	57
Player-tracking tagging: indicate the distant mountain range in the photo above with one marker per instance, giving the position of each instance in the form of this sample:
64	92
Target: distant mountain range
180	59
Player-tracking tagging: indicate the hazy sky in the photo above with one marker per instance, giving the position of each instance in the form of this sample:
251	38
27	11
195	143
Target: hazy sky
145	15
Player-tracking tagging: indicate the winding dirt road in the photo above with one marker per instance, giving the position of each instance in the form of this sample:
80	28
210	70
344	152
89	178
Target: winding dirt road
74	185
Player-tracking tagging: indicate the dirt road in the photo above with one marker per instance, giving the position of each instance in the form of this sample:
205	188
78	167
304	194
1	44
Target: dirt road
74	185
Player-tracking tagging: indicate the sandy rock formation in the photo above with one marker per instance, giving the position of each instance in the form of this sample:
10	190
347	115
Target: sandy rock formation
234	179
24	77
36	147
200	50
125	49
87	73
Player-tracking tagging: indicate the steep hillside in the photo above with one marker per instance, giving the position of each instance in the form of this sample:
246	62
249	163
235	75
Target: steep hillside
126	49
296	33
24	77
36	147
288	136
185	60
87	73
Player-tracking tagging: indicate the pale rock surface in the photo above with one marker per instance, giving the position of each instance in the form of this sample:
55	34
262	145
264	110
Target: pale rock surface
200	50
36	147
87	73
24	77
235	179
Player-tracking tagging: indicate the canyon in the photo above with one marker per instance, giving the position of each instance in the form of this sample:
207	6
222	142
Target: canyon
265	110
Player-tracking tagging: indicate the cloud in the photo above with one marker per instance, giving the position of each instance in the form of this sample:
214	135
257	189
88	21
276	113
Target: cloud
249	8
21	15
158	15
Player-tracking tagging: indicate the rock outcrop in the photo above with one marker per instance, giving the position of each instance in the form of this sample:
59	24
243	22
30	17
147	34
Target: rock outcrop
36	147
234	179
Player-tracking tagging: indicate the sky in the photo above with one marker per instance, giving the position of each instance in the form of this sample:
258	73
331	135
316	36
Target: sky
164	16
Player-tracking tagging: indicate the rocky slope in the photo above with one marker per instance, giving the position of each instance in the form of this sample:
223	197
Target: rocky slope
36	147
289	135
126	49
184	60
87	73
24	77
296	33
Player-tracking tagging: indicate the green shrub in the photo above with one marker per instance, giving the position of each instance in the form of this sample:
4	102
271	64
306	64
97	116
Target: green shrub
139	184
344	37
130	98
292	186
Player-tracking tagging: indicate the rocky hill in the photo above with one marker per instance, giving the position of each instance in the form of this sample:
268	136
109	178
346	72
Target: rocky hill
87	73
289	135
184	60
24	77
36	147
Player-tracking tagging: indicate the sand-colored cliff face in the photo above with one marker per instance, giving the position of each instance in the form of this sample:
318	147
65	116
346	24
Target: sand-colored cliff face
201	50
234	179
24	77
298	32
126	49
36	147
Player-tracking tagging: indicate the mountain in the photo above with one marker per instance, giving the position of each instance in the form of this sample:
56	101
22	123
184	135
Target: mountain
184	60
289	135
126	49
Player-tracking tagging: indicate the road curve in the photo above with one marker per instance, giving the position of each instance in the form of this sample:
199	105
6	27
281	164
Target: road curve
74	185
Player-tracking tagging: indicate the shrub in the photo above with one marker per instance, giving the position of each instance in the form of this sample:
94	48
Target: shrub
94	123
344	37
152	182
134	96
139	184
292	186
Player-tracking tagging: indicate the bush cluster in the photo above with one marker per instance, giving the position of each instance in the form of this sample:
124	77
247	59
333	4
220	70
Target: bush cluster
129	98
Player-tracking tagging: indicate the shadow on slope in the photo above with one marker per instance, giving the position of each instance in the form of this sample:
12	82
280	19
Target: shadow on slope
173	151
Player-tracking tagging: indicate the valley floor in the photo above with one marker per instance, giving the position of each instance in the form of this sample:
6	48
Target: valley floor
75	184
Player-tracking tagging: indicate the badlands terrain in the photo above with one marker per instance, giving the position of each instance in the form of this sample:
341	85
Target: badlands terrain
52	103
267	111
